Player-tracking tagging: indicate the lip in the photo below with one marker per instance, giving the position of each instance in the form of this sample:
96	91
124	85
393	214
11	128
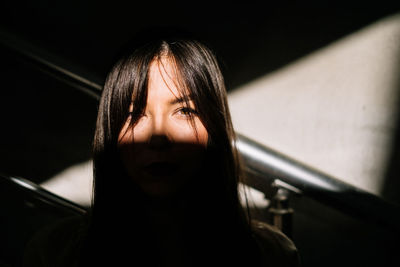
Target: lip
161	168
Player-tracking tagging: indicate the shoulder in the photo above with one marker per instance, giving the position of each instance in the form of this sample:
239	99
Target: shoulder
278	249
56	244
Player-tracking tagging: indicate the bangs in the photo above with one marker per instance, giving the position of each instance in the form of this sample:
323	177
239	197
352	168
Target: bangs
172	75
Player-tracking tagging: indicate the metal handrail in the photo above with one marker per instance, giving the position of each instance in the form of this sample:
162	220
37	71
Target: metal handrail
270	165
266	163
51	65
46	196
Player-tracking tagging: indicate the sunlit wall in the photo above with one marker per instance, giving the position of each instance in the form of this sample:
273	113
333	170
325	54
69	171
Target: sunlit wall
334	109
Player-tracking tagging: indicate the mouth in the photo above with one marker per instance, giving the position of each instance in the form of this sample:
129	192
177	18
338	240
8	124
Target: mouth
161	168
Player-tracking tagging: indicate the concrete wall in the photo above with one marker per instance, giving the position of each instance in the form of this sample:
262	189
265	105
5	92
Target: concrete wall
335	109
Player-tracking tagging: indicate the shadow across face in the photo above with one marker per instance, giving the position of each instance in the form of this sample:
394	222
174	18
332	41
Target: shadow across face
164	148
162	168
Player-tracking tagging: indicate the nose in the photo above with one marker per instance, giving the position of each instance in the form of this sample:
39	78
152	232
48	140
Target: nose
159	139
159	142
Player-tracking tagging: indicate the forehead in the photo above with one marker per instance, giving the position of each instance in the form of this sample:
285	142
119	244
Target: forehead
164	79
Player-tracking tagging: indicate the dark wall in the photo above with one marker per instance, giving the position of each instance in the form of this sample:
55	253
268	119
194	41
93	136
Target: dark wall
252	39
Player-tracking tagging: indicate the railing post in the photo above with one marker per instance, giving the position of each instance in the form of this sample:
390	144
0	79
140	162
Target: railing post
280	212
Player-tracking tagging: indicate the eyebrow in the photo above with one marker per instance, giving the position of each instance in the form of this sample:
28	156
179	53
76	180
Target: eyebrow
178	100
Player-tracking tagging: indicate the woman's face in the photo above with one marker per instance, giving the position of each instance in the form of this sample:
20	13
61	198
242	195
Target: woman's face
162	152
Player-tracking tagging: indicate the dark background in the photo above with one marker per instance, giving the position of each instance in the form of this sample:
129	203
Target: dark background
46	126
252	38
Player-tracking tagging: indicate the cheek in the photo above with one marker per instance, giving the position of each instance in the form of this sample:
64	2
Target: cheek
126	151
125	134
139	133
191	155
184	133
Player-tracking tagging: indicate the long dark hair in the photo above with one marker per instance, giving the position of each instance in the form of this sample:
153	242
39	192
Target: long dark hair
217	206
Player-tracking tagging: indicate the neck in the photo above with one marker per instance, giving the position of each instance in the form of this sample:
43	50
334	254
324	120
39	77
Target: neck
165	210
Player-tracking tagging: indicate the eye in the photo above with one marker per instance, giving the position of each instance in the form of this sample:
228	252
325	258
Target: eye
186	111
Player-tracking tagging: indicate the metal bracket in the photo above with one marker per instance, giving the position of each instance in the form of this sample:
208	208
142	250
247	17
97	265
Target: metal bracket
280	212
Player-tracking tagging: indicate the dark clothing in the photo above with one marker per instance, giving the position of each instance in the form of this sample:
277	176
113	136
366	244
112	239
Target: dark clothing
59	245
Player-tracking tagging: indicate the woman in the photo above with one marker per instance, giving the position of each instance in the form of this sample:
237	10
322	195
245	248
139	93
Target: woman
166	169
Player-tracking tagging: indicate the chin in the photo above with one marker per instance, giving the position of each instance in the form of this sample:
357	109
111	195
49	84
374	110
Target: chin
159	189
